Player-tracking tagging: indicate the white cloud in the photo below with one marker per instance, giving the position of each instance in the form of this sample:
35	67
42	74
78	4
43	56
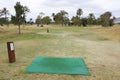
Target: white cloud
49	6
106	4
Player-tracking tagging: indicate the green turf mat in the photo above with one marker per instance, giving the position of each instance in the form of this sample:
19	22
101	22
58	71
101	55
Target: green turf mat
57	32
54	65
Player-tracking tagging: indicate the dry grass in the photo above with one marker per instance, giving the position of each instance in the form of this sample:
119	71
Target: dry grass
112	33
100	52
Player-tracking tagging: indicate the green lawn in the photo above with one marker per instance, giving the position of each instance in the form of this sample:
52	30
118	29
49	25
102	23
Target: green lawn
98	51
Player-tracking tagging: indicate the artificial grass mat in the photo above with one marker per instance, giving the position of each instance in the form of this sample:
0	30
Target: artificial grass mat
57	32
54	65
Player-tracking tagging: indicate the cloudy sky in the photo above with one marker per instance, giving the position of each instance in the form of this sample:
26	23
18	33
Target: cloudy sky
97	7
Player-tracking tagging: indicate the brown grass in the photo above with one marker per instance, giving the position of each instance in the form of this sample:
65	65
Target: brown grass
112	33
101	55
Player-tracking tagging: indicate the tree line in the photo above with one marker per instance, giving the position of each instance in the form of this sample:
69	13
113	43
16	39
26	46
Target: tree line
60	17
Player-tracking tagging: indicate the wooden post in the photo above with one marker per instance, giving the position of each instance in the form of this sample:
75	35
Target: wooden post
11	52
47	30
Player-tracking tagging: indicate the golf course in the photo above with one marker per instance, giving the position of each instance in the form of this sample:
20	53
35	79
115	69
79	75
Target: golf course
98	46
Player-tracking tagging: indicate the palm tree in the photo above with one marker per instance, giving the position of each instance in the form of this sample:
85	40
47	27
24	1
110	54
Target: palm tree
5	12
53	15
91	15
79	12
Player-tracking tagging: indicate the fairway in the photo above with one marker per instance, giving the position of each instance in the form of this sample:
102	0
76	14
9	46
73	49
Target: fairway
100	50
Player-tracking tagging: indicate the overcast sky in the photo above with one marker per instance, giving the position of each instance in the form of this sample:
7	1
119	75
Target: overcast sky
97	7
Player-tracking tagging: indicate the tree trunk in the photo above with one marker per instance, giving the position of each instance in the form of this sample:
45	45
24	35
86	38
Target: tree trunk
19	29
62	22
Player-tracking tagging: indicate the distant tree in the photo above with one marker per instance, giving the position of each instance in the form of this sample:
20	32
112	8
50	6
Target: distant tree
4	12
91	19
97	21
84	22
75	20
38	20
105	18
19	17
25	11
46	20
53	15
31	21
114	17
111	21
60	17
79	13
63	15
41	16
2	21
66	20
1	13
57	18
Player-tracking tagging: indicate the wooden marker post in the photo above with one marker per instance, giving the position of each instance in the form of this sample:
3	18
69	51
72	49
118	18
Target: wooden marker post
11	52
47	30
